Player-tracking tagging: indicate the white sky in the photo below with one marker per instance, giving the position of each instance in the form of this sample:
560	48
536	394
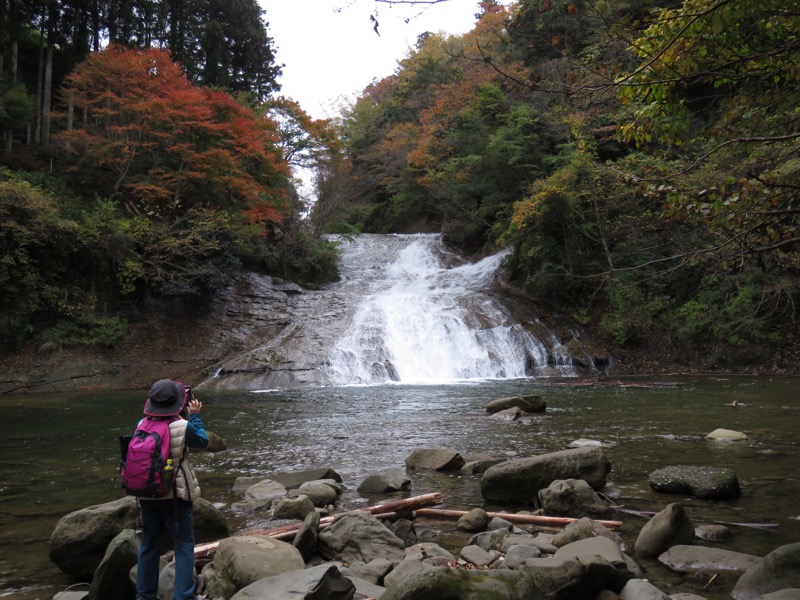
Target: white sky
329	56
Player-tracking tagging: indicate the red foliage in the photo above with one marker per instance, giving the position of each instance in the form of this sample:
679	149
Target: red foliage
166	143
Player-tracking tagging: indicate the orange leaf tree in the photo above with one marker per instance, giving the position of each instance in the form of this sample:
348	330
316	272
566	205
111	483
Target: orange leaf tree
150	138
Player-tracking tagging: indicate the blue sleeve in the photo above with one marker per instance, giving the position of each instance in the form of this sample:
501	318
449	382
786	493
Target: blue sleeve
196	436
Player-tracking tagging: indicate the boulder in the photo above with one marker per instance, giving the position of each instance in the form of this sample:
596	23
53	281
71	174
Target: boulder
712	532
385	482
490	540
306	539
435	459
578	570
78	535
541	543
478	556
111	579
571	498
265	489
509	414
359	536
787	594
528	404
518	481
215	443
294	479
424	550
701	482
668	528
726	435
295	509
475	520
242	560
321	494
374	571
639	589
323	582
779	570
80	539
581	442
585	528
458	584
519	553
477	466
691	559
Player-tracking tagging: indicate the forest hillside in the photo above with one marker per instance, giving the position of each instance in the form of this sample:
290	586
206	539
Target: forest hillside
640	157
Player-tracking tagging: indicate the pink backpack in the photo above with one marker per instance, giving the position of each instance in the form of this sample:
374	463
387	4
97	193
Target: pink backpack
144	460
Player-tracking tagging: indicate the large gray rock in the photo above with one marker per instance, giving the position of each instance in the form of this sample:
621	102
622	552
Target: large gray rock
320	493
111	577
359	536
293	508
639	589
779	570
670	527
579	570
306	539
571	498
266	489
243	560
690	559
475	520
701	482
324	582
381	483
80	538
435	459
585	528
458	584
294	479
518	481
528	404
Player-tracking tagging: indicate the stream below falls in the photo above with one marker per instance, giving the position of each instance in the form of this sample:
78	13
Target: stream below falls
58	452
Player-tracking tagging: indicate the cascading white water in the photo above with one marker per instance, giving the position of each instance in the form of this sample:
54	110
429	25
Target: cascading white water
421	321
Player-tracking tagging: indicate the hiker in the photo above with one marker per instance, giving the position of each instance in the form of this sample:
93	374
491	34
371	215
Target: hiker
168	399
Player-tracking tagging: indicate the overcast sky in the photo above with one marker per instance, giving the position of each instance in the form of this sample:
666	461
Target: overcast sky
329	54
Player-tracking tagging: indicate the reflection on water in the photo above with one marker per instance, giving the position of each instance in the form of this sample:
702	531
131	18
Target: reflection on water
58	453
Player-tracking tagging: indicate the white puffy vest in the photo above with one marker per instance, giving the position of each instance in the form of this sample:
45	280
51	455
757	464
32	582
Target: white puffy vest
186	484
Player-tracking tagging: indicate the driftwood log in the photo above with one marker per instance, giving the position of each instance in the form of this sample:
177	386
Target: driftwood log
386	510
513	518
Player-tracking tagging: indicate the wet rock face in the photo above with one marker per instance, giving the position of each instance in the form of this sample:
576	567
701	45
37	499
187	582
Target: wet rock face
264	333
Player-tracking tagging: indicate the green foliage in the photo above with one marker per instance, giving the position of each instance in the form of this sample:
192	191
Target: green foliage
190	256
35	243
734	310
86	331
16	108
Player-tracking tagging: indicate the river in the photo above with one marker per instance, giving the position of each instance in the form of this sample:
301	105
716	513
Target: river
58	452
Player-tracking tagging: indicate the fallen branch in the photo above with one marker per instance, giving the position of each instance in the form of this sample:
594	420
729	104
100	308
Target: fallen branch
513	518
385	510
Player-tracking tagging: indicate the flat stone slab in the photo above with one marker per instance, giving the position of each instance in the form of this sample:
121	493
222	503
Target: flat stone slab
690	559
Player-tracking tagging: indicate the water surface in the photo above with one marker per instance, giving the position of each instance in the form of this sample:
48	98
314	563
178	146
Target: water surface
58	452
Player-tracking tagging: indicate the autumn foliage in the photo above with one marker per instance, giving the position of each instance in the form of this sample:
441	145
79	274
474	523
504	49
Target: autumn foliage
144	134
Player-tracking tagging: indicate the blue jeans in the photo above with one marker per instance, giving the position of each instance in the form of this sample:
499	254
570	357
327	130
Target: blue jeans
175	516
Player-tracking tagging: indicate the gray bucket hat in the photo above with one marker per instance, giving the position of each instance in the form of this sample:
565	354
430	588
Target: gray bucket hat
165	398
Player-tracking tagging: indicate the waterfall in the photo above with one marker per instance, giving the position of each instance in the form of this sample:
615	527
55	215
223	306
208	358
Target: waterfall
425	316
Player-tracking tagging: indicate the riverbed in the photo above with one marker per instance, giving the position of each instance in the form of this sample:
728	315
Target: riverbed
59	452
